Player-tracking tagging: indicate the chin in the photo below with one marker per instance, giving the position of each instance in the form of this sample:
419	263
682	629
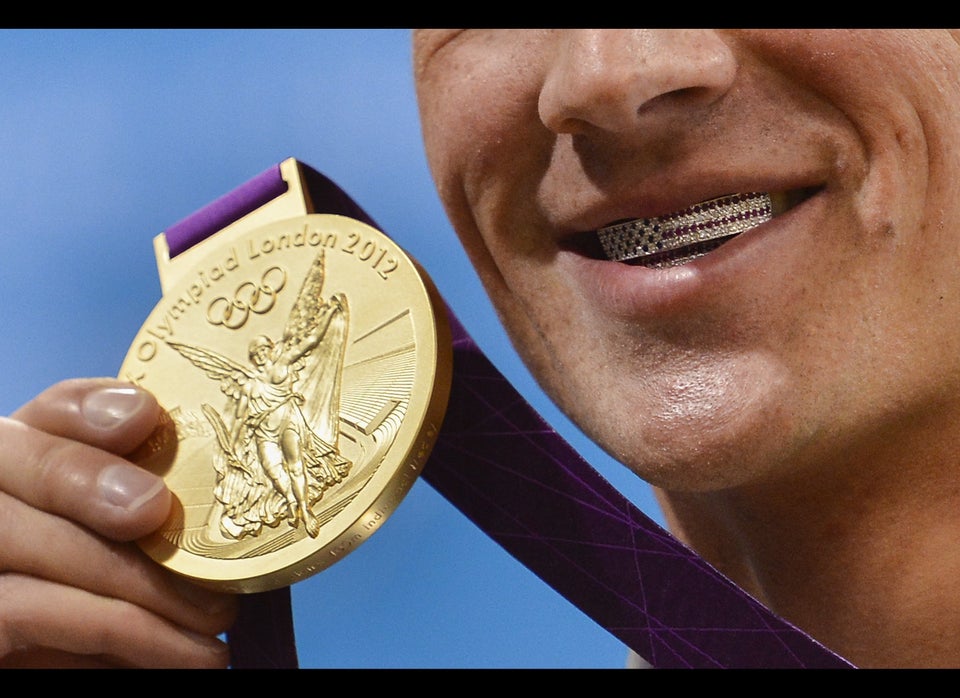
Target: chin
707	435
693	465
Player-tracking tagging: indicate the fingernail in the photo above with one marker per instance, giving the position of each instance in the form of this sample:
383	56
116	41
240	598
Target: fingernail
127	486
108	407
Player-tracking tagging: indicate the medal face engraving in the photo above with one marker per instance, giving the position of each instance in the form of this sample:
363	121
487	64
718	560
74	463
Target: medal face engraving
304	369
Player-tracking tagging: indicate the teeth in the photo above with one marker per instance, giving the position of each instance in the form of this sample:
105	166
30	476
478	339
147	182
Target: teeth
702	227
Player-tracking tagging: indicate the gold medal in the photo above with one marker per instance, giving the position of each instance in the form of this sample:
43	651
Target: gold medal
304	366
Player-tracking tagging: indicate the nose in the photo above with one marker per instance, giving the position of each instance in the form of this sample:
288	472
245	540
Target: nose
616	79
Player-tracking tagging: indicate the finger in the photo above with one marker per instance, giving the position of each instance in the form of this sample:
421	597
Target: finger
85	484
51	548
103	412
80	482
46	658
58	480
42	619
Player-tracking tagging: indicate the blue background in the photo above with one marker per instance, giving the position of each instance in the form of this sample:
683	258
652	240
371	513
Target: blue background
108	136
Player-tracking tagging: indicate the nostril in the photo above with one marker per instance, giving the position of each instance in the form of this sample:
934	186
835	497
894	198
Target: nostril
684	97
604	79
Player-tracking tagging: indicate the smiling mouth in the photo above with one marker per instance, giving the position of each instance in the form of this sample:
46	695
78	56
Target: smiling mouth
682	236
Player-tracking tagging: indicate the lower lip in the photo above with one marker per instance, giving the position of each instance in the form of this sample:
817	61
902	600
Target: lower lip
635	292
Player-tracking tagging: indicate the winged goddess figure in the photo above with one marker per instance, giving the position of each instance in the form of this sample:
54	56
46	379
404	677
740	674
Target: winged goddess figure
278	435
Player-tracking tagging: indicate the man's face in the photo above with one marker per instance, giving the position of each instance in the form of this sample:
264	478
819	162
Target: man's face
812	337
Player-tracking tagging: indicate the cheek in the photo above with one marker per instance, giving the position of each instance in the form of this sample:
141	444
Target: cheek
478	106
487	151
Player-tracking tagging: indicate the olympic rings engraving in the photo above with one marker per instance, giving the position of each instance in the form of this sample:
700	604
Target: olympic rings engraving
248	298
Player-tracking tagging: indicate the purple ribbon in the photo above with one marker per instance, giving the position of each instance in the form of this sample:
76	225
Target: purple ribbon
218	214
516	478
